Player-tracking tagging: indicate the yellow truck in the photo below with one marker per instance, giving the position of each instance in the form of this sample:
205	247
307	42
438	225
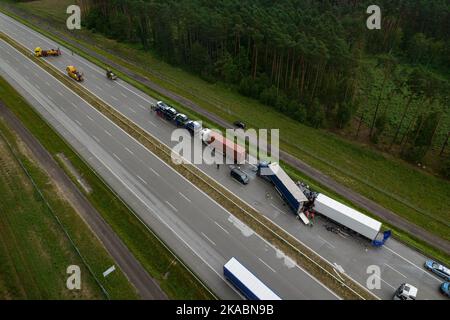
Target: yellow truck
38	52
74	74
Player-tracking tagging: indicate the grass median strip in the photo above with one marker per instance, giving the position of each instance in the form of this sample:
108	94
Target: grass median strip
346	288
174	277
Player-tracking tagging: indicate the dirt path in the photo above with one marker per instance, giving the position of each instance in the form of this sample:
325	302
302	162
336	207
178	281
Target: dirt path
146	286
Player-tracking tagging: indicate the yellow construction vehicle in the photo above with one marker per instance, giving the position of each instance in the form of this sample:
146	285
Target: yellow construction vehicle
38	52
73	73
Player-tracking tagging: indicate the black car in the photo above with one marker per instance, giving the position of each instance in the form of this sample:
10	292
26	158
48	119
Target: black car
239	124
239	175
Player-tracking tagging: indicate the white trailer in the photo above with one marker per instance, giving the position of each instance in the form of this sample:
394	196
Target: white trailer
348	217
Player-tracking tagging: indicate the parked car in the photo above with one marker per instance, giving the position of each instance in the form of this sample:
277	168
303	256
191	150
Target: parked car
445	289
239	124
181	119
438	269
170	113
239	175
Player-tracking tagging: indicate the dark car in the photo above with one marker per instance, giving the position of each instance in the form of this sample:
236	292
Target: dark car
445	288
239	124
181	119
170	113
239	175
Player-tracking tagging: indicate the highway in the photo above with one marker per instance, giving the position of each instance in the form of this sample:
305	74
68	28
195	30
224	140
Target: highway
398	263
203	234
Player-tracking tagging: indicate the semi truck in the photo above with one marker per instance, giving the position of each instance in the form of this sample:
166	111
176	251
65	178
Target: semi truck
246	282
285	186
228	148
351	218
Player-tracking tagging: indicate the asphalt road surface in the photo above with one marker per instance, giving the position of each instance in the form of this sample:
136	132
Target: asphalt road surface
201	232
352	255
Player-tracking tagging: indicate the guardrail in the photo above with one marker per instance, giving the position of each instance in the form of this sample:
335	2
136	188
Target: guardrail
343	286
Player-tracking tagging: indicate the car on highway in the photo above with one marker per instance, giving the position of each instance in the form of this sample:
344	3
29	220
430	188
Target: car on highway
438	269
239	124
445	289
239	175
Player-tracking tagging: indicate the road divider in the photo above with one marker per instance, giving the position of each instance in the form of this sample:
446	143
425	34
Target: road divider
343	286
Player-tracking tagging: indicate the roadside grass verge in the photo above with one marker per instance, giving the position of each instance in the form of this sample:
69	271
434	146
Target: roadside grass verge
375	175
34	250
173	277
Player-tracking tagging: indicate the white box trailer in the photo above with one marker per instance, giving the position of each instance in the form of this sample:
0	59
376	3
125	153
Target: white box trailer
348	217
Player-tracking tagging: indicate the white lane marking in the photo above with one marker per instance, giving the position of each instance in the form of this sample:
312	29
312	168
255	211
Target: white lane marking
74	105
154	172
132	110
267	265
78	122
48	84
326	242
395	270
172	206
208	239
224	230
89	118
114	98
152	123
36	85
145	182
115	156
427	273
98	88
107	132
187	199
96	139
123	95
137	94
129	151
141	106
60	94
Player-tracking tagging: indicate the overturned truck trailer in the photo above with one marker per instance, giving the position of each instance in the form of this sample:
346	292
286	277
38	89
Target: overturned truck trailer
350	218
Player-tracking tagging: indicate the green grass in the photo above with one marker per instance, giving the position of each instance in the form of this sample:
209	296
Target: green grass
380	177
34	250
173	277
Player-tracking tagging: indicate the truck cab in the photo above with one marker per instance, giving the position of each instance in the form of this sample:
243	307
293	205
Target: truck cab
405	292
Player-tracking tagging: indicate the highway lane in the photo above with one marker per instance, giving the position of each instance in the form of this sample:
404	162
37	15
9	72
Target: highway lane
201	232
397	262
